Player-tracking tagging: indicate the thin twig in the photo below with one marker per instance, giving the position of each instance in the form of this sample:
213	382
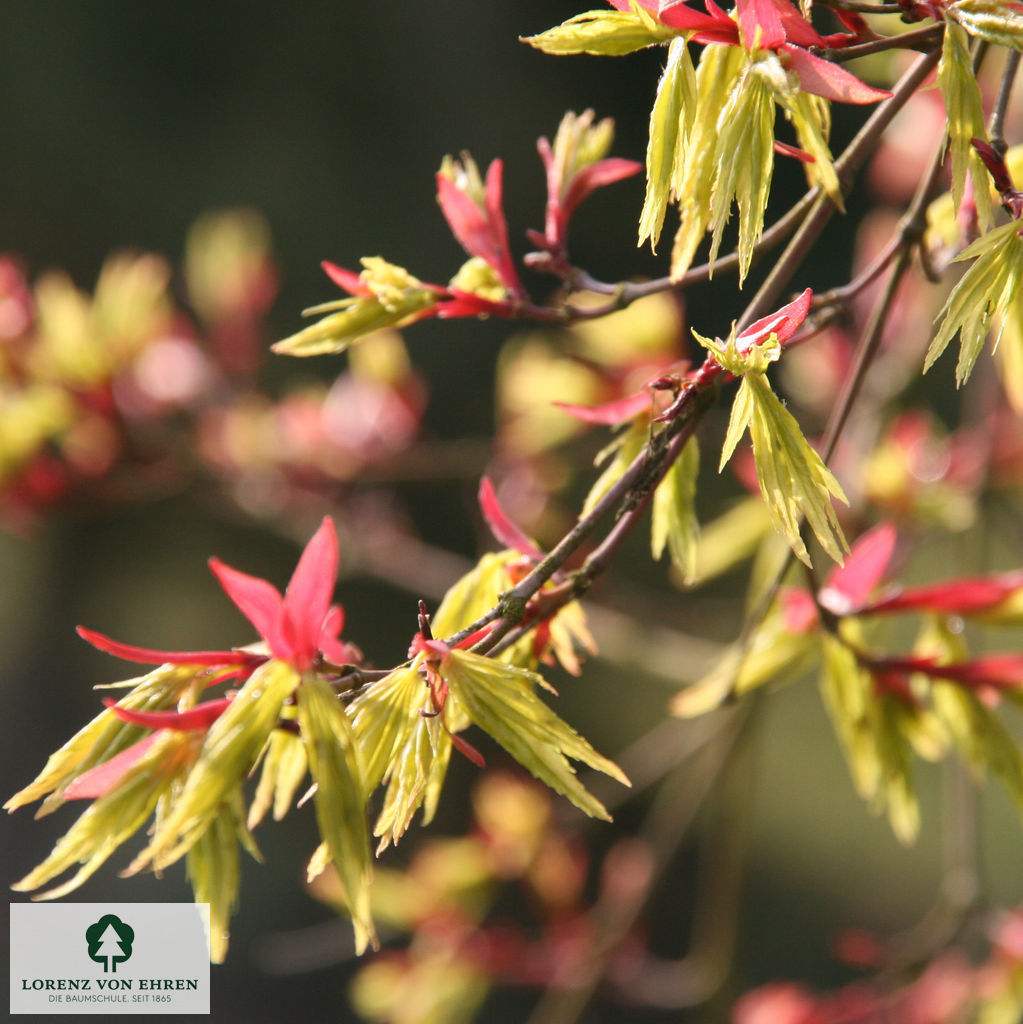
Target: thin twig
917	39
996	129
626	292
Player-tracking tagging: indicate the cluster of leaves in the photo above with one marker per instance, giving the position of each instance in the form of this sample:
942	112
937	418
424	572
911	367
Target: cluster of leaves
161	750
306	704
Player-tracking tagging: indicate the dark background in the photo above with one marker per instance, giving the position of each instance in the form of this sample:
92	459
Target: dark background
120	123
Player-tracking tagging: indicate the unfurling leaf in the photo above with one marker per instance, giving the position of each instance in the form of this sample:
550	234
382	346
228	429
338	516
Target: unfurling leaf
673	513
415	777
744	159
669	124
228	753
998	21
382	719
502	701
602	33
215	874
383	295
104	737
695	169
340	798
873	737
965	112
989	290
284	767
810	117
793	478
115	817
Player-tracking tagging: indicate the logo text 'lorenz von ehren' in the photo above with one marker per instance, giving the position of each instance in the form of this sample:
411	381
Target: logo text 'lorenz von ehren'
109	958
110	941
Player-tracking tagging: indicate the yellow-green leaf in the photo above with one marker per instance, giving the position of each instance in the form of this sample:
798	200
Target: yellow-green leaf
744	160
809	116
602	33
284	768
501	700
115	817
669	119
384	717
395	298
989	290
875	744
996	21
695	169
214	872
229	752
415	777
965	111
793	478
105	736
339	798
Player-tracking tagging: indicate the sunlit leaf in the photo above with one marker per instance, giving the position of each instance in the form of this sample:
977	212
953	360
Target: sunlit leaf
115	817
284	767
875	745
695	168
603	33
998	21
989	290
502	701
229	751
964	107
215	875
744	159
105	736
339	798
672	111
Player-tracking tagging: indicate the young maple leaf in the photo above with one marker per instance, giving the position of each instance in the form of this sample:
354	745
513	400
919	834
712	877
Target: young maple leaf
793	478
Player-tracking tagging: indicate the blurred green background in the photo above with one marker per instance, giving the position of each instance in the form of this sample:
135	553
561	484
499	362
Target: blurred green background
121	123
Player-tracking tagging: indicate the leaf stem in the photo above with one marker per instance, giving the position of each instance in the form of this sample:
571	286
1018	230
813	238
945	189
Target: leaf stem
917	39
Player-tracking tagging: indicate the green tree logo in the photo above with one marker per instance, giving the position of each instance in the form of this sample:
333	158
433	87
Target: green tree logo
109	942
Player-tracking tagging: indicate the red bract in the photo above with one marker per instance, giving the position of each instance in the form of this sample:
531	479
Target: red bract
451	302
297	625
104	777
609	414
784	323
149	656
565	194
480	227
847	587
967	596
501	526
202	716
